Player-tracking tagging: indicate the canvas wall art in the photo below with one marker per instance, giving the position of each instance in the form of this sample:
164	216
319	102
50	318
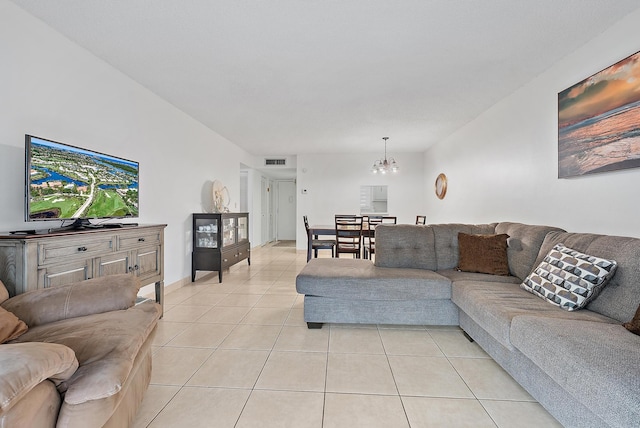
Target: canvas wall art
599	121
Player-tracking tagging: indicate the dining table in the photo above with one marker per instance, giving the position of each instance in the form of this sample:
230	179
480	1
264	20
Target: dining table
329	230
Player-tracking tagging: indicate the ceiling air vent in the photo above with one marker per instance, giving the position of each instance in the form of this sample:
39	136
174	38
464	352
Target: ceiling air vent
274	162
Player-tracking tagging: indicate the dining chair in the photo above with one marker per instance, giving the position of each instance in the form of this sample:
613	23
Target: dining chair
421	219
319	244
348	235
370	246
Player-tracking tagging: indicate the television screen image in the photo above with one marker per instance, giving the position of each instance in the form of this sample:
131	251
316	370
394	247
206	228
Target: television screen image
67	182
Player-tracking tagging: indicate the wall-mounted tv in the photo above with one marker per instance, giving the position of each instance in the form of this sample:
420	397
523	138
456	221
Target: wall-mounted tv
65	182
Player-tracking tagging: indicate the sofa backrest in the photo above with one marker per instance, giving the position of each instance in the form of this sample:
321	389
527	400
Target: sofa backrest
405	246
446	241
523	245
620	298
435	246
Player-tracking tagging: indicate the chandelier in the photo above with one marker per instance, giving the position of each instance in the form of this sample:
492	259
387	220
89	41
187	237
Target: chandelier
383	166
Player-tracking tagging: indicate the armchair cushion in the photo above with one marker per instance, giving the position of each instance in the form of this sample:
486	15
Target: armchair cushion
105	344
24	365
10	326
4	294
94	296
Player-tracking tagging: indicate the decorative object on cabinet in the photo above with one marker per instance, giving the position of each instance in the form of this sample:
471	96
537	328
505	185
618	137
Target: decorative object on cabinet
441	186
30	262
220	196
220	240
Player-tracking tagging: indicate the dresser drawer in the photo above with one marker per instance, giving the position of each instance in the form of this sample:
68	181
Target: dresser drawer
51	252
137	240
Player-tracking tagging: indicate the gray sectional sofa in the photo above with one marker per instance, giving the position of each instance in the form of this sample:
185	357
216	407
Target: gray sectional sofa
583	366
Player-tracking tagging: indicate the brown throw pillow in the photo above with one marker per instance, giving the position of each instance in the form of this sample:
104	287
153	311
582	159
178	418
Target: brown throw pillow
483	253
10	326
634	325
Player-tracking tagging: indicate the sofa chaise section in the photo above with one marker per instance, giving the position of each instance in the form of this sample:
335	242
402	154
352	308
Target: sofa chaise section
357	291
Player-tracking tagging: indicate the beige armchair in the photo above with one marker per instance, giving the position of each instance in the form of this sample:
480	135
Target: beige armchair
85	360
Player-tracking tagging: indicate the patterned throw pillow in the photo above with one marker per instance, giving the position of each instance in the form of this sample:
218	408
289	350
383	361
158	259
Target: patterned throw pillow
568	278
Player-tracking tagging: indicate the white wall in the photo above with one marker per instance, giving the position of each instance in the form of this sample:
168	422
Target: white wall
503	165
333	187
52	88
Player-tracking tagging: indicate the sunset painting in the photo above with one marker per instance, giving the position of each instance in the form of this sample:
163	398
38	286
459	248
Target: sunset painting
599	121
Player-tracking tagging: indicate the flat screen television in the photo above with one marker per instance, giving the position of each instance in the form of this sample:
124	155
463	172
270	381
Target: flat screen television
65	182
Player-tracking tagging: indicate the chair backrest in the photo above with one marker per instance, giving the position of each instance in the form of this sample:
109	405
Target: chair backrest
348	229
374	220
389	219
347	217
306	223
421	219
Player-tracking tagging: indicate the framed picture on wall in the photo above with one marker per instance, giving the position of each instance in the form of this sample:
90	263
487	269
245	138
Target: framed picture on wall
599	121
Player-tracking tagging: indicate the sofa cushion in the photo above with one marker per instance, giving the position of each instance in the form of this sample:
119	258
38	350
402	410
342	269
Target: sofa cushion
483	253
595	362
25	365
351	279
494	305
620	298
405	246
11	326
523	245
568	278
456	275
105	344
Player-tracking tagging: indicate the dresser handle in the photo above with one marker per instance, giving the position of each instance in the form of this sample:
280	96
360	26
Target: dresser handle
82	248
140	239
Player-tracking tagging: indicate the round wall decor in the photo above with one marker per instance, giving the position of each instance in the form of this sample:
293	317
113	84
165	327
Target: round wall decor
441	186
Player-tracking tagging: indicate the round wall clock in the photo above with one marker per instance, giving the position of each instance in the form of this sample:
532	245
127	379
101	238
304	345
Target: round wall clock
441	186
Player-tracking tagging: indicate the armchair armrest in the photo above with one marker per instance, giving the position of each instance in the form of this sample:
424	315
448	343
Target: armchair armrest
25	365
93	296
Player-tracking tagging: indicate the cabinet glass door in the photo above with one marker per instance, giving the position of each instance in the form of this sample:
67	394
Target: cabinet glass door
228	231
206	233
243	229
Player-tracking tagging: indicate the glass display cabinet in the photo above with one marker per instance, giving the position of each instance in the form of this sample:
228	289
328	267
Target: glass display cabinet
219	241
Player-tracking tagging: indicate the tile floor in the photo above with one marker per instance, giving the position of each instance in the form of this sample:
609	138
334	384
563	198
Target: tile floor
238	354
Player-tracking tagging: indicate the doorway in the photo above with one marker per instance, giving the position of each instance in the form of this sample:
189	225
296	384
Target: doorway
286	210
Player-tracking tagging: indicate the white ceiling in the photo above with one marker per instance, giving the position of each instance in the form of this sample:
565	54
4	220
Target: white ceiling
286	77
